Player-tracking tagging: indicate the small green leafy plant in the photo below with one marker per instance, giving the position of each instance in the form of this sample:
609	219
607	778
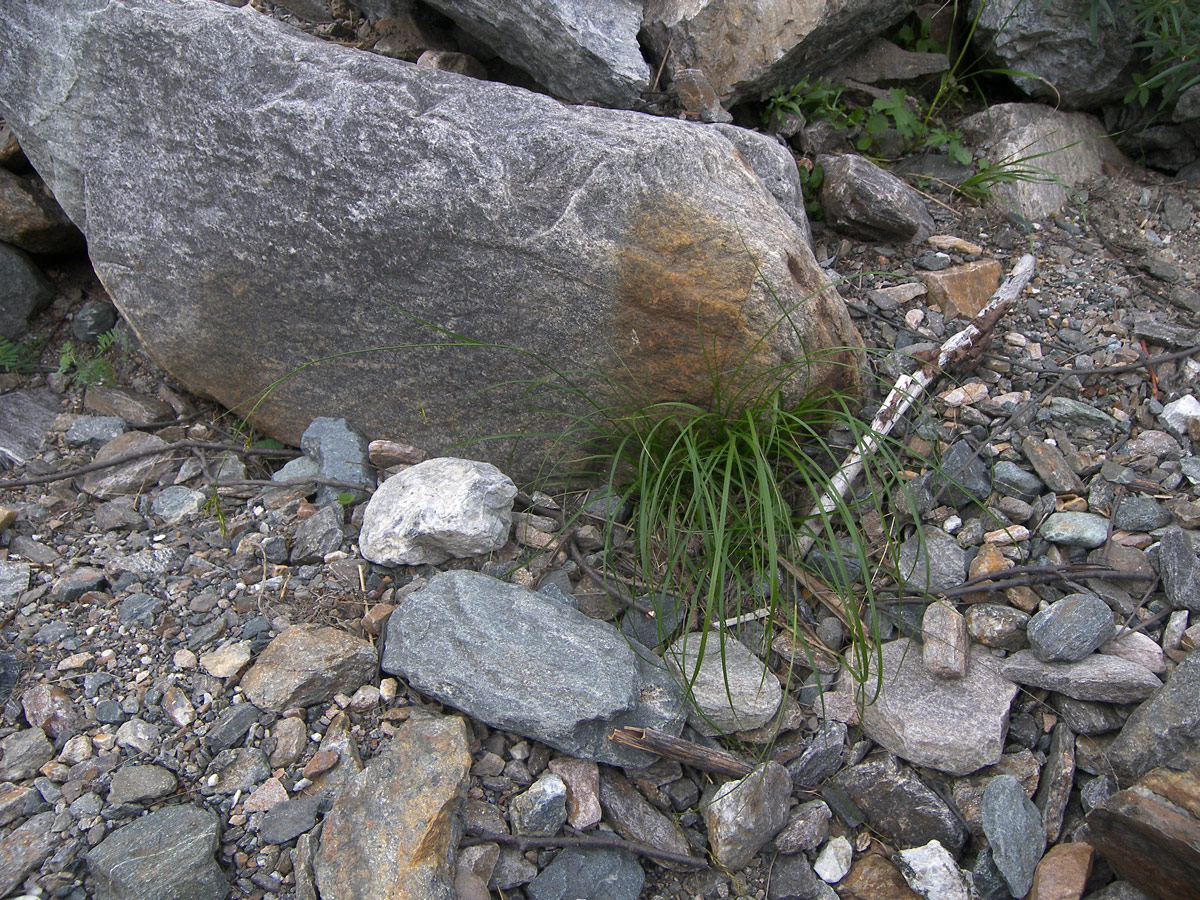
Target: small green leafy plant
1170	40
20	356
87	366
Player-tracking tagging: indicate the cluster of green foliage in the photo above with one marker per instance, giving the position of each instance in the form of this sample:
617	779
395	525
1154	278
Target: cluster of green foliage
1170	37
88	366
20	356
821	100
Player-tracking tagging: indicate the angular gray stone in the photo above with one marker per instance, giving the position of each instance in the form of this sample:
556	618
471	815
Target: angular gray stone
1056	782
1108	679
290	819
438	509
806	830
1084	717
308	664
542	809
899	806
241	769
93	319
999	626
730	688
1141	514
1013	827
134	784
393	828
319	534
868	202
953	726
932	872
340	451
1071	628
582	50
25	417
933	561
1070	148
137	409
1075	529
1165	725
793	878
1180	570
1012	479
595	873
1062	60
593	240
524	663
1052	467
95	431
177	503
24	290
139	609
132	477
24	848
749	47
632	816
168	853
14	581
961	476
945	642
821	758
742	815
231	727
22	753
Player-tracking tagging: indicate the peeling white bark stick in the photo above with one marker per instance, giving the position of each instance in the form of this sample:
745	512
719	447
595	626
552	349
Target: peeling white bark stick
905	392
908	388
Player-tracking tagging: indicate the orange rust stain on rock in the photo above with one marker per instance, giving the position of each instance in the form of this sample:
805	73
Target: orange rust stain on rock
684	280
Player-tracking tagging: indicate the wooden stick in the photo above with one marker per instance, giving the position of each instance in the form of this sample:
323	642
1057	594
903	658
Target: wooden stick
695	755
965	345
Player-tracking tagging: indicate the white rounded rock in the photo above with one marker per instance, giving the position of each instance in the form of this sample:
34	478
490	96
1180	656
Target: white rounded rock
436	510
833	862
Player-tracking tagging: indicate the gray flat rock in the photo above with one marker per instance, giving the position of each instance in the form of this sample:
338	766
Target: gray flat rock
1168	723
1013	827
1107	679
525	663
582	50
731	688
954	726
900	806
1071	628
168	853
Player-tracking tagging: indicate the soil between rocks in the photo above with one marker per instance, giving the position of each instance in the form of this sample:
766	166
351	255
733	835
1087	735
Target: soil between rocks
1116	281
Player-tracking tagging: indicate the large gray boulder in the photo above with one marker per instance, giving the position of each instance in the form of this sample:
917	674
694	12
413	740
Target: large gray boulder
525	663
1052	45
581	50
302	201
747	48
1054	150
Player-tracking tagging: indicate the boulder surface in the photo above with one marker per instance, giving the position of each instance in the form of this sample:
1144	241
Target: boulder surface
333	202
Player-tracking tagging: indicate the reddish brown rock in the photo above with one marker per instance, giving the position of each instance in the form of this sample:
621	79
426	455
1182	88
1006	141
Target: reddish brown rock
393	830
1154	826
50	708
962	291
1063	873
873	877
308	664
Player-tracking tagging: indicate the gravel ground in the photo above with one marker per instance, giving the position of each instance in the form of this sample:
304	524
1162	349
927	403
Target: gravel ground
1114	284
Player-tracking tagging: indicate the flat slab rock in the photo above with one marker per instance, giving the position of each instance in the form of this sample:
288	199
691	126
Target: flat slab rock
1099	677
528	664
953	726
